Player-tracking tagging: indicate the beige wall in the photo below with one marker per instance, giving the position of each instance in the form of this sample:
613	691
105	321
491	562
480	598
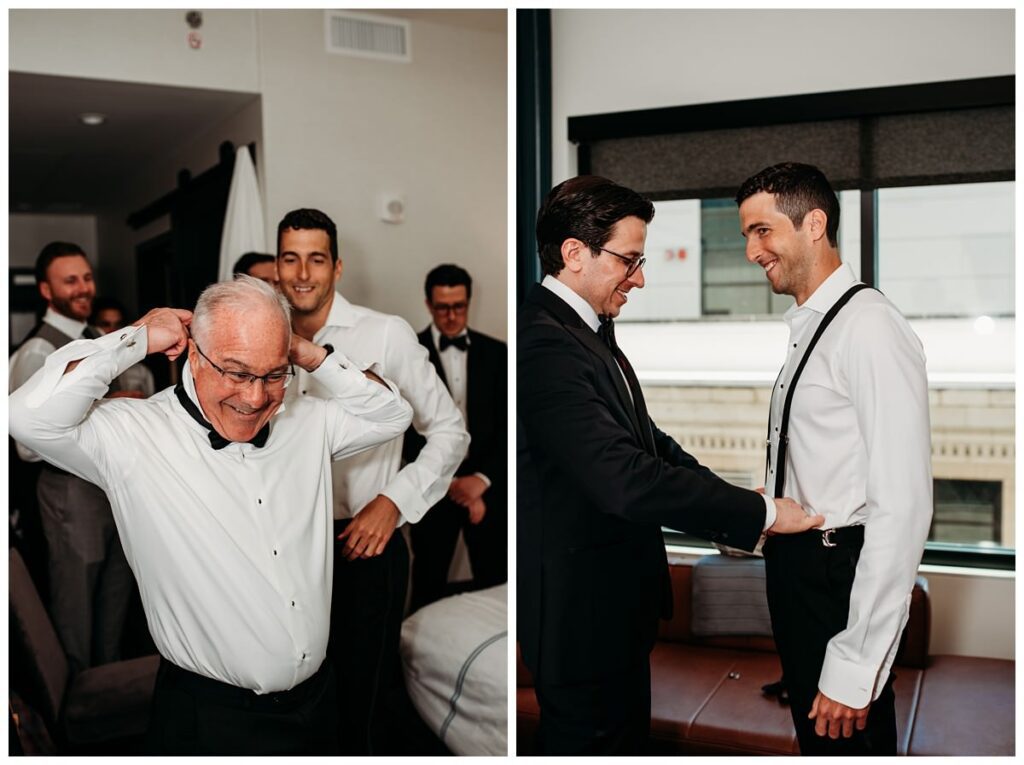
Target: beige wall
336	133
342	131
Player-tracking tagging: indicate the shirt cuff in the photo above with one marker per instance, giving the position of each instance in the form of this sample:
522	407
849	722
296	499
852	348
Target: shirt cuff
483	478
113	353
846	682
769	512
410	503
337	367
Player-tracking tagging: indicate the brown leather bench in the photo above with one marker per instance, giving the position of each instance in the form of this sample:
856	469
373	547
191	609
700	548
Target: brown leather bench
706	693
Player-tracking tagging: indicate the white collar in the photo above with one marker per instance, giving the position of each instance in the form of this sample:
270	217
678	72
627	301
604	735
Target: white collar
827	293
341	313
578	304
70	327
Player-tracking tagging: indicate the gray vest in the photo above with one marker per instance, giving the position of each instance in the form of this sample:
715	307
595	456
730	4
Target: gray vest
58	339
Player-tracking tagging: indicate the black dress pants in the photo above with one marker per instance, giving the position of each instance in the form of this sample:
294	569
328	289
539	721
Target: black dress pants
610	717
367	607
809	588
192	715
433	544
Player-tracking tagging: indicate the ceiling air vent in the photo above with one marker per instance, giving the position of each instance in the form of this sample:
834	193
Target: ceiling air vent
360	34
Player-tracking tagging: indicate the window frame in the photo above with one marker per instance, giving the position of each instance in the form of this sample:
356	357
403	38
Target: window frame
864	104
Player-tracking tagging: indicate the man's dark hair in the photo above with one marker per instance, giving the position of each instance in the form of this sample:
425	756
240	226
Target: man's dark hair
797	189
587	208
50	253
250	259
307	218
448	275
101	304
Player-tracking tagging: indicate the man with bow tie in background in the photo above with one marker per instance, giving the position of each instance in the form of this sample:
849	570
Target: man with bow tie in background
593	572
474	367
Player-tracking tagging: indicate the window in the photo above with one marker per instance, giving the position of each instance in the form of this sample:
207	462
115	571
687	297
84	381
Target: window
927	216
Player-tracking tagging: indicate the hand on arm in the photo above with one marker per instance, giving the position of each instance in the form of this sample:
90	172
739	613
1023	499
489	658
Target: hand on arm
833	719
369	532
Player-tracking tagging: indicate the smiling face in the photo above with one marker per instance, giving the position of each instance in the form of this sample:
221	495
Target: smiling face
256	342
782	250
600	278
305	270
69	288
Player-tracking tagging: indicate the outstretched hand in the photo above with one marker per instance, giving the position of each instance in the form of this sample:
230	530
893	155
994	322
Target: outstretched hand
790	518
166	331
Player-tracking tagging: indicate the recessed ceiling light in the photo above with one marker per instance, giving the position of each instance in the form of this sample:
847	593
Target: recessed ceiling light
92	118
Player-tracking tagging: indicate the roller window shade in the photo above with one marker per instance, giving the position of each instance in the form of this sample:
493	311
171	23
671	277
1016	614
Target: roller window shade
938	133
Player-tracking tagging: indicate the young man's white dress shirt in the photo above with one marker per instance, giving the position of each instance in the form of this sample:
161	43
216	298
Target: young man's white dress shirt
859	453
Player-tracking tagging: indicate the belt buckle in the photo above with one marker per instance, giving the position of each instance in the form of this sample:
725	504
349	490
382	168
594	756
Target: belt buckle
826	538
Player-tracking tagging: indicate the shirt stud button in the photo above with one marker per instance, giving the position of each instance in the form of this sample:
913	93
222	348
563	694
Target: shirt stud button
275	552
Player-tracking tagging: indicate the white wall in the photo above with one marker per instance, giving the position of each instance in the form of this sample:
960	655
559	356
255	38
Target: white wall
137	46
336	133
341	131
606	61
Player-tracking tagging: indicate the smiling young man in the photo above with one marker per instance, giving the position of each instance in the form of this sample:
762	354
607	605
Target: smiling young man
89	579
858	451
593	573
222	499
373	493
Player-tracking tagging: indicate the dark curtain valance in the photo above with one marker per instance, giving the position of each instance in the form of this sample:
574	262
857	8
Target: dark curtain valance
957	132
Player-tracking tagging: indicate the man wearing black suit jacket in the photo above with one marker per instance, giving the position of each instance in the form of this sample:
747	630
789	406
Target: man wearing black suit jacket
474	367
593	574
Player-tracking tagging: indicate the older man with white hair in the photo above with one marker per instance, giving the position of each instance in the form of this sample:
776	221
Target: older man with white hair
222	498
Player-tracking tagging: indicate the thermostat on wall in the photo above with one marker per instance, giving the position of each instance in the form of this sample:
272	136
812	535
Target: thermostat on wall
391	208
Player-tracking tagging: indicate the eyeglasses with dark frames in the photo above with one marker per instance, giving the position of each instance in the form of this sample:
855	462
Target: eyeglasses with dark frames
443	308
271	381
632	264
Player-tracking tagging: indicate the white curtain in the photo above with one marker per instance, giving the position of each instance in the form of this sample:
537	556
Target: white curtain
243	223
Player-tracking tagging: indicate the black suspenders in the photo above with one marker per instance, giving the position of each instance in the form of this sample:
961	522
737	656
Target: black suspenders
780	467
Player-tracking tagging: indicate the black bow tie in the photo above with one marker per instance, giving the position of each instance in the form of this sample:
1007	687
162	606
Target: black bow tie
217	441
461	342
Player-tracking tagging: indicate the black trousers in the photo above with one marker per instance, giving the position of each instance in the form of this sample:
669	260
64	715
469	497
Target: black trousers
610	717
367	607
192	714
433	544
809	588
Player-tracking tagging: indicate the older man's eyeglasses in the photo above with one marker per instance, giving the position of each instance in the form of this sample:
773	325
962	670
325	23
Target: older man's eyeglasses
274	381
632	264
